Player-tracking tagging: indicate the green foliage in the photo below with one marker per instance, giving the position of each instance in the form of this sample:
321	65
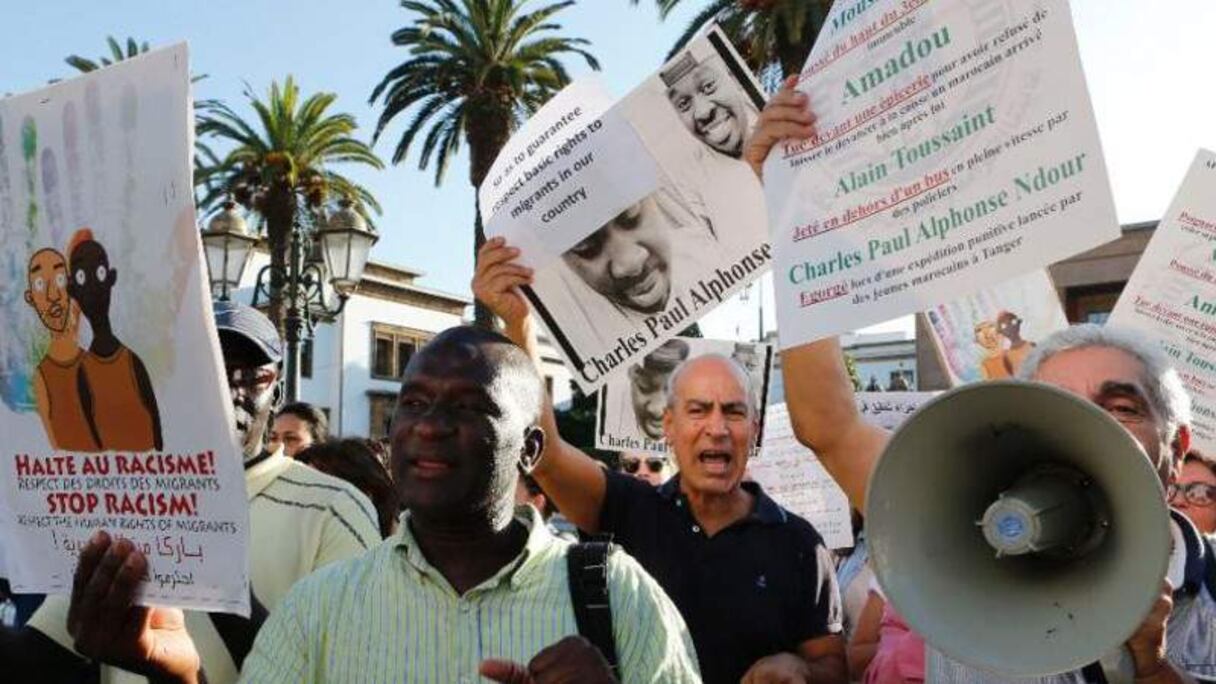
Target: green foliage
850	365
773	36
576	425
288	150
475	69
117	54
279	166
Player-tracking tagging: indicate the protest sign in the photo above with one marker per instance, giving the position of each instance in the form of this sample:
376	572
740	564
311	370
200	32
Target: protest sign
560	176
662	222
1171	296
955	148
631	404
987	335
888	410
794	478
114	411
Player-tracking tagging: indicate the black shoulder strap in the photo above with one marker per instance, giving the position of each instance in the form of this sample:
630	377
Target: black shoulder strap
587	564
1094	674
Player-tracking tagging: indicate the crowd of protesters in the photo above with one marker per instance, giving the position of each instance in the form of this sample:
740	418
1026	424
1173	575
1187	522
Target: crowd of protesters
478	551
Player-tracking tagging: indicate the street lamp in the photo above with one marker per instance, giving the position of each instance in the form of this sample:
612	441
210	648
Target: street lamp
228	246
345	242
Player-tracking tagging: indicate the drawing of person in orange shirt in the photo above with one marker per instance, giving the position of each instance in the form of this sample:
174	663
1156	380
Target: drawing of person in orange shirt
115	389
55	389
995	365
1009	325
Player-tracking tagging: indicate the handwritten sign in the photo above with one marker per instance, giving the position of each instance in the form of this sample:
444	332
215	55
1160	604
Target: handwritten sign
955	148
112	401
1171	296
790	473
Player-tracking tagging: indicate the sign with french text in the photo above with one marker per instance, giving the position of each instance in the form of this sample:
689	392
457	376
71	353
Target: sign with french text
955	149
112	402
1171	295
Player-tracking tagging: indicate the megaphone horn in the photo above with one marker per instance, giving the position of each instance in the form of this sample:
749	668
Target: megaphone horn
1018	528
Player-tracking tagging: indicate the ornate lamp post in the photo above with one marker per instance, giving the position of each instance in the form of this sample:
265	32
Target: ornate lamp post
344	240
228	246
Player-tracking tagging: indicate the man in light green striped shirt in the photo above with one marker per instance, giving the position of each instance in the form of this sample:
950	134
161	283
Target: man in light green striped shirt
390	616
469	586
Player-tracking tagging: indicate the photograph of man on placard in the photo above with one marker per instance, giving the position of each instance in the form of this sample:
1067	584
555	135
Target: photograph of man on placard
664	261
709	102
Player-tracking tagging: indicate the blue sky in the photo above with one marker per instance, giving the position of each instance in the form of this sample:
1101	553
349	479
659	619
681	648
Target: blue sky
1148	65
345	51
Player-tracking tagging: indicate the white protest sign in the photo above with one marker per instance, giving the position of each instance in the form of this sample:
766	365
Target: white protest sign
987	335
569	170
1171	296
665	258
794	478
631	404
890	409
113	406
955	148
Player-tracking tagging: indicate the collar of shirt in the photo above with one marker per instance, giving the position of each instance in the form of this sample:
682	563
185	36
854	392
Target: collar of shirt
525	567
765	511
260	475
1188	557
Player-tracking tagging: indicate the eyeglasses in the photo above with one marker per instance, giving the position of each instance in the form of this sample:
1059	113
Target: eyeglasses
654	465
1195	493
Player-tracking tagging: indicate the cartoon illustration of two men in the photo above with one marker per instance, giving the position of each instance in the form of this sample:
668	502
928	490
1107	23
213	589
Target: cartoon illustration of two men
999	361
99	399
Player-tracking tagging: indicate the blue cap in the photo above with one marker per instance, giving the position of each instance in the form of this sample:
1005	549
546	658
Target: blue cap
251	325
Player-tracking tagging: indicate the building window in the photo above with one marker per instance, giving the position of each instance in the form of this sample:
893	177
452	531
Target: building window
392	349
1091	304
306	359
383	405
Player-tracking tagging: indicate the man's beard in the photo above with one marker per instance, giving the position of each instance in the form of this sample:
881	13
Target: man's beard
250	418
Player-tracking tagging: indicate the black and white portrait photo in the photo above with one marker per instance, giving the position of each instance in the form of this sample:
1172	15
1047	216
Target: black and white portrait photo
663	262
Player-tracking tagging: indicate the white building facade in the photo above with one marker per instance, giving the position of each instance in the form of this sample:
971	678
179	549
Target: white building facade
351	367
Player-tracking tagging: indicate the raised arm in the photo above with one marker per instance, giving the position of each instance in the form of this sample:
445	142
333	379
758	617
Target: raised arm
818	391
571	478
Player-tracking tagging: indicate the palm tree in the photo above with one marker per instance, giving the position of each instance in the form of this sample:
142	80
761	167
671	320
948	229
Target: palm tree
476	69
117	54
774	36
282	171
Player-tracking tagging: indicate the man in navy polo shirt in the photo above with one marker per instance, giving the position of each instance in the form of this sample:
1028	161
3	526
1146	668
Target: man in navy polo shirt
754	582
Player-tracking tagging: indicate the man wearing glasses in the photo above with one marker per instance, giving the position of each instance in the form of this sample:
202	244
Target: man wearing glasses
651	468
1195	491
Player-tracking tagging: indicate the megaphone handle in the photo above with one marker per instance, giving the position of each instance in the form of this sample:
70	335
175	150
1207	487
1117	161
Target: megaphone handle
1118	667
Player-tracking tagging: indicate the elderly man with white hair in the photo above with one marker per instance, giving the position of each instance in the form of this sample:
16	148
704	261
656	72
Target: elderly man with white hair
1117	370
754	582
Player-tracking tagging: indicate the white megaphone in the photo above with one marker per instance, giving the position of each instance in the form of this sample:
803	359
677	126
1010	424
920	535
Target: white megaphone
1018	528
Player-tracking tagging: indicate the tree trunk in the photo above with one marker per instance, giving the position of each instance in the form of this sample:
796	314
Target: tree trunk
482	317
487	135
280	214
